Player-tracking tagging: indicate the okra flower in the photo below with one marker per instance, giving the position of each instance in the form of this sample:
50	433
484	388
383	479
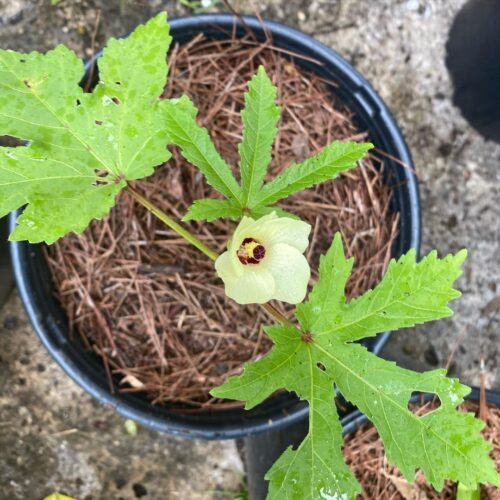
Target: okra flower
264	261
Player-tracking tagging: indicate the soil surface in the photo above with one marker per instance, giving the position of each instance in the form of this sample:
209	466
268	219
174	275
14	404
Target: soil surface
399	45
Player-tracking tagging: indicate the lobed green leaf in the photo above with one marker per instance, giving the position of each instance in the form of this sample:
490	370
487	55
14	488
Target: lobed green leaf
259	380
83	146
316	469
211	209
327	297
260	117
335	158
410	293
444	444
198	148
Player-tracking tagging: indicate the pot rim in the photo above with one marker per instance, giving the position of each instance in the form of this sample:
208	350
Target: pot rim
51	331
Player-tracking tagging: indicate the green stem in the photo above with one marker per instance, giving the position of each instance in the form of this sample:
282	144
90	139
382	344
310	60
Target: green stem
172	224
272	311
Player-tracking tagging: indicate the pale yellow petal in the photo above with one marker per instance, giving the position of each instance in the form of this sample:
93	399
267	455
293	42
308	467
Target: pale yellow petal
283	274
241	232
271	230
290	271
228	265
254	286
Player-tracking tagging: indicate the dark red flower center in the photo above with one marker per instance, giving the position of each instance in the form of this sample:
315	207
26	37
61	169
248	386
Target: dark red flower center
250	251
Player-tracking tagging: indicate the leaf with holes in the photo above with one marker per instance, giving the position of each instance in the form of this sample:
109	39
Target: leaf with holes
322	353
83	147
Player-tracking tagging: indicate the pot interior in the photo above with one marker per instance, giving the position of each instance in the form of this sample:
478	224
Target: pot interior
51	321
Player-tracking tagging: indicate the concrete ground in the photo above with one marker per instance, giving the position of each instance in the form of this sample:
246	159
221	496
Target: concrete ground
54	436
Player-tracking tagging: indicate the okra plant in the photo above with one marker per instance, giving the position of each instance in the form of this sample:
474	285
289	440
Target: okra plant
82	149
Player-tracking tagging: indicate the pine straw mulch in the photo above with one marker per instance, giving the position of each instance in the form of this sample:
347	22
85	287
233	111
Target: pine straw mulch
364	453
149	303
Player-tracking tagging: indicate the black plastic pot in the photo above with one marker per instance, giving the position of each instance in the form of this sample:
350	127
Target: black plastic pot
356	419
6	278
34	280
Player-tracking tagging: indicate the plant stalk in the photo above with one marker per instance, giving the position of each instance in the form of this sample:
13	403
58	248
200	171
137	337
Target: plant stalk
172	224
184	233
274	313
